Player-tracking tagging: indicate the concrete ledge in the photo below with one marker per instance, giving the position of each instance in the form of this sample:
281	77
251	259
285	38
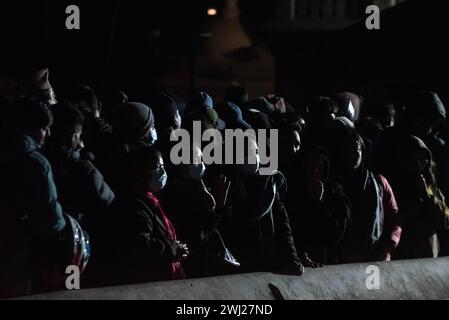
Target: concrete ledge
415	279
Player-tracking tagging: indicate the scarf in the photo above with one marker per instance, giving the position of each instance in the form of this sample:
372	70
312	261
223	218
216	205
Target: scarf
176	269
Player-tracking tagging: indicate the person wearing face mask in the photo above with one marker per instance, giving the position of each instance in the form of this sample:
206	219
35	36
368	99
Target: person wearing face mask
422	204
374	232
197	213
134	127
153	137
258	228
147	247
82	188
166	111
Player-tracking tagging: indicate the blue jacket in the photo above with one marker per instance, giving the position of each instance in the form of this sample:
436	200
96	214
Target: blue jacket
29	210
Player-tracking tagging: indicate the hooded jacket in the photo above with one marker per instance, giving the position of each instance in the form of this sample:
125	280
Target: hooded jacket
423	215
374	231
426	107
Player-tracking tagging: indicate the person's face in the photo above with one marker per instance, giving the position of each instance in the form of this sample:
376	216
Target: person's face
253	151
423	128
177	121
52	97
389	118
280	105
418	164
290	144
76	137
302	122
46	96
295	142
351	155
41	135
154	176
251	161
314	167
197	155
156	164
196	169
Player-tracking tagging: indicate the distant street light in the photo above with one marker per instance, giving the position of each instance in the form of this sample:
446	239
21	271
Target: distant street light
212	12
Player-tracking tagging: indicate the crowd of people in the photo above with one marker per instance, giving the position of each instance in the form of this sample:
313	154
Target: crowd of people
87	180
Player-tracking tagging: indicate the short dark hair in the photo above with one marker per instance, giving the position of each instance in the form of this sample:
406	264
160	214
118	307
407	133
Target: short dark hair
285	128
66	116
29	114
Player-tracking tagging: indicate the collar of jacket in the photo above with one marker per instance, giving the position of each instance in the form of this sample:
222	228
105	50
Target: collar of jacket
19	142
152	207
63	153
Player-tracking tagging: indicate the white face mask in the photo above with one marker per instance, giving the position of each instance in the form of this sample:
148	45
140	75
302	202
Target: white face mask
158	180
153	136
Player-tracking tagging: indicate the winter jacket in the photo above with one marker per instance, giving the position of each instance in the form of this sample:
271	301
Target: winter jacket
137	245
422	216
258	230
319	227
30	211
81	187
375	227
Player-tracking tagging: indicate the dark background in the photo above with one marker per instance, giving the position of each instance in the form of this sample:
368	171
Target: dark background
133	44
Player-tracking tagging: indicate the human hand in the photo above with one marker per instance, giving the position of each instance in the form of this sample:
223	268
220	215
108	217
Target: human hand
182	251
309	263
295	268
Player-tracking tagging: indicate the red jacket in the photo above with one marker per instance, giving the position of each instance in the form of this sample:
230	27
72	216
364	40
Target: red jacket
391	220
